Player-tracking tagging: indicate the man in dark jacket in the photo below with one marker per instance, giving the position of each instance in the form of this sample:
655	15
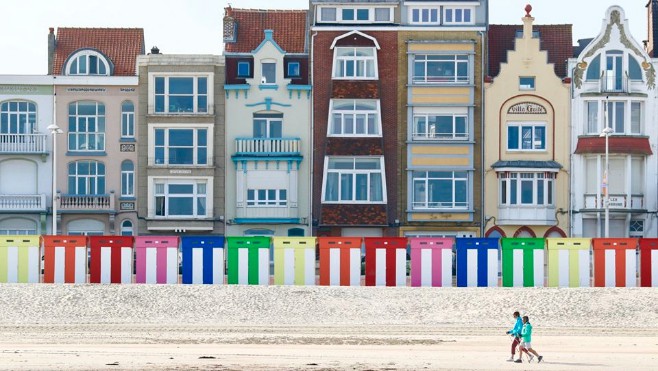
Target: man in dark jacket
516	334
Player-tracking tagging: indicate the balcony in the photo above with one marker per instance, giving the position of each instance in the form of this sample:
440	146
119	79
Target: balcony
262	214
616	83
23	203
23	143
86	202
617	202
526	214
267	147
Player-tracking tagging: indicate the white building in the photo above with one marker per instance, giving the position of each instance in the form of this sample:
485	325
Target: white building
614	86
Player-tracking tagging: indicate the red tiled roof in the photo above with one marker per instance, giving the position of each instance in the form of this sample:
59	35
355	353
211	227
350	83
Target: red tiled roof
289	28
625	145
120	45
556	39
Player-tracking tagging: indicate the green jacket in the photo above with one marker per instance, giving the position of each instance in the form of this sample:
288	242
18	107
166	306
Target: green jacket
526	333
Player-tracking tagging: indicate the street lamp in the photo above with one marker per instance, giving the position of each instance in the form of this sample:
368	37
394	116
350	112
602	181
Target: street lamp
54	130
606	133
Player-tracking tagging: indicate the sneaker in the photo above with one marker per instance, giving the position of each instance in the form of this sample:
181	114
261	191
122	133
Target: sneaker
539	358
510	359
531	358
518	361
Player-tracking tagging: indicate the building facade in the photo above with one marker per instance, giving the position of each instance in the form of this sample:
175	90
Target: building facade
96	102
527	114
268	123
26	111
613	116
180	141
441	69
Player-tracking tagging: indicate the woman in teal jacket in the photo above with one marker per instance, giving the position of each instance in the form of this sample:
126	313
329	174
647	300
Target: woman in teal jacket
516	334
526	342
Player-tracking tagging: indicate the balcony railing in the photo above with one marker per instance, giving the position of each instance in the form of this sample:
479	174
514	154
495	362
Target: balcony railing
23	202
614	83
267	212
617	201
86	202
23	143
526	214
267	146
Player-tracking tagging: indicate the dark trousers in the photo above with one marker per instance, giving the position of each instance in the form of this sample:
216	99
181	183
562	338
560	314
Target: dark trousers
514	344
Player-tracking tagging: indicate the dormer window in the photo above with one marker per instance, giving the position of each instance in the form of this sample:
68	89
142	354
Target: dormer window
268	71
88	62
351	14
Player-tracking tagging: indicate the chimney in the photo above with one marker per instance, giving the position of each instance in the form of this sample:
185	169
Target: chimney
52	42
268	34
652	27
155	50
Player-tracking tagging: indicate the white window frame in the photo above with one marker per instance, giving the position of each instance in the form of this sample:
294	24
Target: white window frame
95	180
426	204
521	125
264	79
354	114
254	198
127	121
369	7
454	10
457	60
128	180
343	60
25	120
268	126
433	135
74	61
508	180
155	193
196	127
354	172
209	93
429	10
99	133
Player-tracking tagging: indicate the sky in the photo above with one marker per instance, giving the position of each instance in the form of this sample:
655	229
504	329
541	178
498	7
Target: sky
195	26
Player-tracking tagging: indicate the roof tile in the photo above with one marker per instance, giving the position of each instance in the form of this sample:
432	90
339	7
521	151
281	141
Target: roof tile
120	45
556	39
289	28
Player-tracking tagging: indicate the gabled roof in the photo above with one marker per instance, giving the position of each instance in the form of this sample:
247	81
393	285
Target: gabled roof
556	39
120	45
289	28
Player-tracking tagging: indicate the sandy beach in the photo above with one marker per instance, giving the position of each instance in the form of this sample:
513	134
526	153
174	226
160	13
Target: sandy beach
181	327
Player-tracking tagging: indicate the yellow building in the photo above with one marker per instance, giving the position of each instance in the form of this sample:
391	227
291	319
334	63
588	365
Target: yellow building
526	135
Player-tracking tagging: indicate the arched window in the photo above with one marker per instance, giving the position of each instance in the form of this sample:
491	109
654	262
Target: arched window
87	126
86	178
127	179
126	228
524	232
88	62
127	119
18	117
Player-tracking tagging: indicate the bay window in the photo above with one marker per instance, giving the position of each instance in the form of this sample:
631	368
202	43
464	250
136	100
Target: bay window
527	188
354	180
353	63
430	68
181	146
440	126
181	94
180	198
355	117
440	190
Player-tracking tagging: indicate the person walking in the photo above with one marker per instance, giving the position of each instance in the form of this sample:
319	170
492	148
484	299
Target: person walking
516	334
526	342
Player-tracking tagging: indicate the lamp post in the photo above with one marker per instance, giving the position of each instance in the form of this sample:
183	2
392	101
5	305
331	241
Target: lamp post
54	130
606	203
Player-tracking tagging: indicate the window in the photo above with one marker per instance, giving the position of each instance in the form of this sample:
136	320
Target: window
527	83
634	70
614	70
268	70
355	63
636	117
615	116
457	15
181	146
355	14
526	136
328	14
440	126
18	117
86	178
535	34
440	190
530	189
354	117
86	126
180	199
181	94
127	179
592	117
425	15
267	197
293	69
88	62
126	228
382	14
127	119
244	69
440	69
594	68
354	180
268	126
